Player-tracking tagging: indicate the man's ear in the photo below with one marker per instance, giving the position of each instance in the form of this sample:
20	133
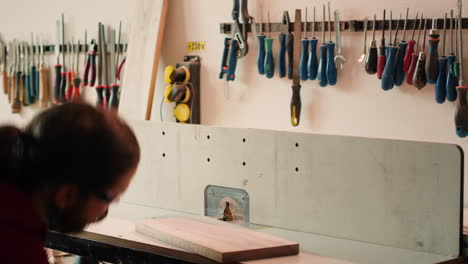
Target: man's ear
66	195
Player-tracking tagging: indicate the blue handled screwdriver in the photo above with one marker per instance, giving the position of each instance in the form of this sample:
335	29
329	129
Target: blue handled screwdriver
312	64
304	52
269	60
451	80
440	91
392	50
331	68
261	47
322	67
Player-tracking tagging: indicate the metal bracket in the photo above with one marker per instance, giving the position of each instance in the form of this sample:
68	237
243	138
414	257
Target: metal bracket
239	203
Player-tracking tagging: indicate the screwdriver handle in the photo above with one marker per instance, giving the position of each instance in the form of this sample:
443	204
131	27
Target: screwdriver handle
461	114
399	71
5	82
312	64
409	52
32	76
26	92
322	67
261	54
63	86
440	91
44	87
100	96
75	97
114	99
290	51
331	68
69	92
232	65
410	75
37	89
269	60
282	56
451	80
456	69
107	94
371	59
381	62
16	105
432	65
304	59
58	81
86	70
92	57
388	74
419	78
296	105
224	61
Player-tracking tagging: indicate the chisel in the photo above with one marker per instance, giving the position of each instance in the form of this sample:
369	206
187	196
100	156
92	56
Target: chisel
304	52
312	64
410	48
296	104
331	67
432	66
382	51
371	59
322	67
402	45
419	78
414	55
440	91
451	80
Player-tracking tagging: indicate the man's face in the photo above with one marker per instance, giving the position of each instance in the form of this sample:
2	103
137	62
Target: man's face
84	208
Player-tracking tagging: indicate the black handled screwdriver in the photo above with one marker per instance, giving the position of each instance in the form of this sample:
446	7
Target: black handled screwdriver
382	58
419	78
432	65
451	80
371	60
440	91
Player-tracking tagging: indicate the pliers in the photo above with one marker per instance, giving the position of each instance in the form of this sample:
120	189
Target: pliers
286	40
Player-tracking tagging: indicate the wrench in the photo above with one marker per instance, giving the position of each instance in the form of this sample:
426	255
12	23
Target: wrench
339	59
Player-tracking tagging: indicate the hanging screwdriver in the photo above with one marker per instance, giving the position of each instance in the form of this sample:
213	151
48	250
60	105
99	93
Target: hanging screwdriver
58	67
432	66
414	55
371	59
364	51
440	91
44	76
382	58
402	45
389	70
77	80
331	67
456	64
71	73
63	84
269	60
419	78
410	48
451	80
304	52
261	47
461	116
322	67
312	64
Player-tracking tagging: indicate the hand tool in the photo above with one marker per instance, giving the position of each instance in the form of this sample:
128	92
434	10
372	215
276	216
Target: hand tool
312	64
269	60
261	47
440	91
432	66
114	98
44	78
122	63
63	84
118	50
382	56
419	78
451	80
304	52
414	55
38	74
4	67
331	68
26	74
33	73
240	34
286	40
402	45
296	86
71	73
105	66
371	59
90	67
364	52
246	20
16	103
410	48
461	116
339	59
392	50
322	67
11	71
100	69
456	64
77	80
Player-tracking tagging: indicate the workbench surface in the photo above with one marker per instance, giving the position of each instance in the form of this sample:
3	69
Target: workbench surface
118	230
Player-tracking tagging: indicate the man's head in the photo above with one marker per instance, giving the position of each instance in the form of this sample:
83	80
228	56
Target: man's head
78	159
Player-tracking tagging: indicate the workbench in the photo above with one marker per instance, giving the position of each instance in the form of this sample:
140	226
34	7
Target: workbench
115	240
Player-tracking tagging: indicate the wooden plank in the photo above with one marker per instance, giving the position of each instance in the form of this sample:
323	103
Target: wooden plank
216	240
144	51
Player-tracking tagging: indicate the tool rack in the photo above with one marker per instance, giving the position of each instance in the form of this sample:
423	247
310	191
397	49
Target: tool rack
350	26
67	48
